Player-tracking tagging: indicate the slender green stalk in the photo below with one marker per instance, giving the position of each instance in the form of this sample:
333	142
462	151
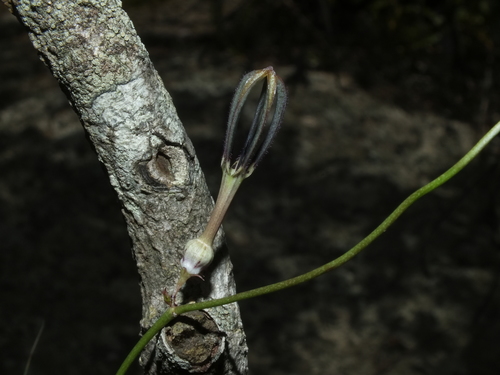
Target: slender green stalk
228	188
143	341
171	312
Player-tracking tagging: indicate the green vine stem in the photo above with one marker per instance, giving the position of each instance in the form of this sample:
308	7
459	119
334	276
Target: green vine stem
172	312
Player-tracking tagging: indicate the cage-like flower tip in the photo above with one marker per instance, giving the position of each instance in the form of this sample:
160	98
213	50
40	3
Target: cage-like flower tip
198	255
273	91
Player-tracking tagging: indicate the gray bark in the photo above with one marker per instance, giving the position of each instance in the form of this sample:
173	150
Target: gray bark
93	50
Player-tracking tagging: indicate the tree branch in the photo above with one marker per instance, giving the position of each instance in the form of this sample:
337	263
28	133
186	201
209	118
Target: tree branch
93	50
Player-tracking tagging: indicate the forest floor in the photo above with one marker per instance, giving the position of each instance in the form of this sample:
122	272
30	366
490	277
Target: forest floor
423	299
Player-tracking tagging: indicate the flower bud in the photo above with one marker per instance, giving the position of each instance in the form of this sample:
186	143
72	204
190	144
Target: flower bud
197	256
273	92
198	252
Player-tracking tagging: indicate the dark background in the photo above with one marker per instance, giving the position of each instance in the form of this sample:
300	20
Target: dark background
384	96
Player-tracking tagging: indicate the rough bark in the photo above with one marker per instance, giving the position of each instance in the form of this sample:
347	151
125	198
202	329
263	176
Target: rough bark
93	50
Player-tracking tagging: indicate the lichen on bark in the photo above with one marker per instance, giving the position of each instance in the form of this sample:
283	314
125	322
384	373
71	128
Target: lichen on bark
93	50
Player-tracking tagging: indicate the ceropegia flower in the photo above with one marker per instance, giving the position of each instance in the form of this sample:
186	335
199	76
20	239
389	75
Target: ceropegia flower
199	252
